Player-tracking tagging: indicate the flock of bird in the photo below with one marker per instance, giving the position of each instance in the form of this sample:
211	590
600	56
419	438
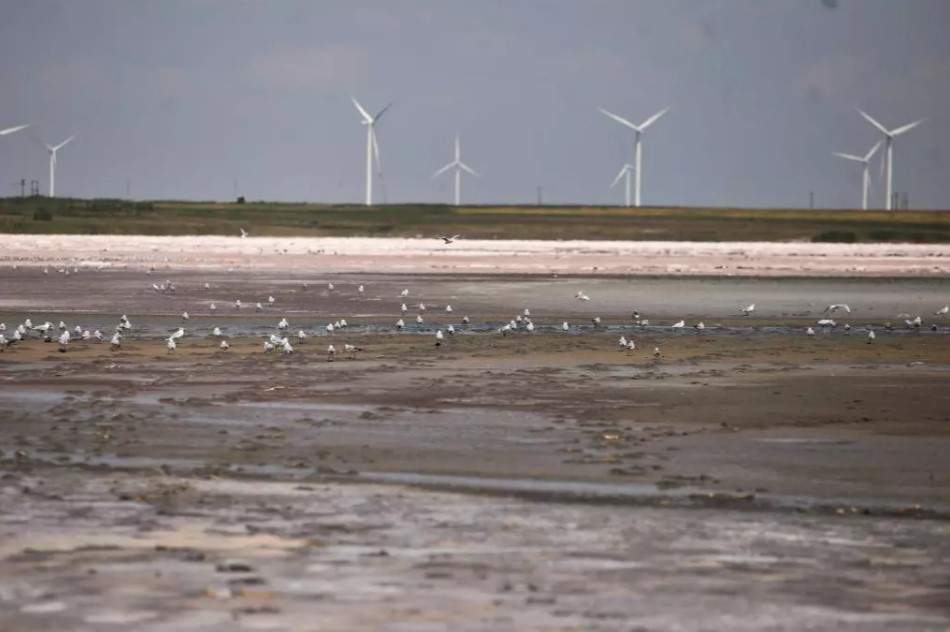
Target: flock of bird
280	340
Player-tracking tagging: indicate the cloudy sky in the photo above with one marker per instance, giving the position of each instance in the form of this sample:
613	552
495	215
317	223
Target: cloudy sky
183	98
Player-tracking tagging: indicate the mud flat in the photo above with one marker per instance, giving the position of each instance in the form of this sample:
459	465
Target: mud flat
750	477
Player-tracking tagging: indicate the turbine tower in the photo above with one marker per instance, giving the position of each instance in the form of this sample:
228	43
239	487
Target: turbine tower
889	136
638	148
459	168
866	178
10	130
626	170
52	164
372	146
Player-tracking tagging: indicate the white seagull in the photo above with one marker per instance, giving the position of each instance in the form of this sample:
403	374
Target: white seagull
836	306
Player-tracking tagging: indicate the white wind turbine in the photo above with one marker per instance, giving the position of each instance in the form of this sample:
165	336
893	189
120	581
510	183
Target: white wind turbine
52	164
638	148
10	130
372	146
889	136
626	170
459	168
866	178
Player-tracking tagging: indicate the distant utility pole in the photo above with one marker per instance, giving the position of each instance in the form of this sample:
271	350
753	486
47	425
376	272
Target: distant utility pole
34	188
22	187
906	197
811	199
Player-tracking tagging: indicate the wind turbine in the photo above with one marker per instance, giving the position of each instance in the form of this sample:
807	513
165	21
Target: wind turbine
372	146
889	136
52	164
638	148
866	178
626	170
459	168
10	130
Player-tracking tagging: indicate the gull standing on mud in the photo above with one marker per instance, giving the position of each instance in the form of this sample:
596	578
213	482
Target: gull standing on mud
581	296
747	311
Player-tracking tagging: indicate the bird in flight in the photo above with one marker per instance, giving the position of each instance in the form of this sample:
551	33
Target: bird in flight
835	307
448	240
243	234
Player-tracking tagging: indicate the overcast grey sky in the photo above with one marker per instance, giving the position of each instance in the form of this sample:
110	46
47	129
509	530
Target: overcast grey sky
183	97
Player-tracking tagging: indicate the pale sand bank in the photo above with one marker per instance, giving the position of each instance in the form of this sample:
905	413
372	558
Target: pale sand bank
419	256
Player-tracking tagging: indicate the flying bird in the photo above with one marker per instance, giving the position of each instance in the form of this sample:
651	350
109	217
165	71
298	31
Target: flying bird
835	307
449	240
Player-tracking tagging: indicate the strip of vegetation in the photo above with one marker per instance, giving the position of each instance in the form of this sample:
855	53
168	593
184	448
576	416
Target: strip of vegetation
112	216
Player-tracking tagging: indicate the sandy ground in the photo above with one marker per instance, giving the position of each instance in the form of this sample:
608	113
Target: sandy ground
751	477
419	256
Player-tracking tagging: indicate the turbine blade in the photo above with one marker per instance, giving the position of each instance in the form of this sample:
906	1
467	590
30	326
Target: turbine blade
380	113
871	120
873	151
653	119
366	117
466	168
10	130
379	165
906	128
63	144
458	148
619	119
623	170
849	156
443	170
